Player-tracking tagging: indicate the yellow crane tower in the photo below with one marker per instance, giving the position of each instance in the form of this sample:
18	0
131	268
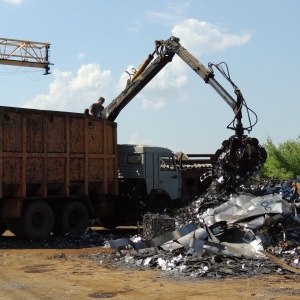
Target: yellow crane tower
25	53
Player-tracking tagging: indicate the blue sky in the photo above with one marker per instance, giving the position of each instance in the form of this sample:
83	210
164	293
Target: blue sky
94	42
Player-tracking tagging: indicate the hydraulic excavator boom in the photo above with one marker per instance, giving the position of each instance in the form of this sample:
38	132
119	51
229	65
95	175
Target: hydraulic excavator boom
240	157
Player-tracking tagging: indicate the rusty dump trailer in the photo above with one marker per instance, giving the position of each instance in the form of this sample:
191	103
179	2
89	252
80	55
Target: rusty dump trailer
56	170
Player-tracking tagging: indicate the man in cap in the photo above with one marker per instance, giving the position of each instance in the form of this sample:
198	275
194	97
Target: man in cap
97	108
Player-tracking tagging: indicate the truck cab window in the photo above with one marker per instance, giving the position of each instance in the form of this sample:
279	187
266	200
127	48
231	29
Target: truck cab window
167	163
134	159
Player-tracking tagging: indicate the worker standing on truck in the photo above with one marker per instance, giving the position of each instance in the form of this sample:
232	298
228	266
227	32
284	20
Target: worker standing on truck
97	108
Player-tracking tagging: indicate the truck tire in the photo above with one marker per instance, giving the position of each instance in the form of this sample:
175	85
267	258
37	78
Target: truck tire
37	221
73	217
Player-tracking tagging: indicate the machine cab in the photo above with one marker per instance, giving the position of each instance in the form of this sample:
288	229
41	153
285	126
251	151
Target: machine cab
155	165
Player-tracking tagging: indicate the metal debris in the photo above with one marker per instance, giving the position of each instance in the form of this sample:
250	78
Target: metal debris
237	235
252	232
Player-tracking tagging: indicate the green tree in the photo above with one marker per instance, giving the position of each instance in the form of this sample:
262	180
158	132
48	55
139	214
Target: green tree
283	162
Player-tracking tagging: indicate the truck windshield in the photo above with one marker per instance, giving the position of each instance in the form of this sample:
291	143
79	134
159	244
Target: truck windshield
167	163
134	159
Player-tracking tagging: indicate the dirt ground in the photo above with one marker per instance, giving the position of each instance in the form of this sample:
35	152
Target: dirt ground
49	273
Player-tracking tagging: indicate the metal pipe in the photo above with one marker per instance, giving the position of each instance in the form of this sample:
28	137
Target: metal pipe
222	92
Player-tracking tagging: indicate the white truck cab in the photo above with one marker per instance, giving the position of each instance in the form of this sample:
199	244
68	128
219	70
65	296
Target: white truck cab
150	172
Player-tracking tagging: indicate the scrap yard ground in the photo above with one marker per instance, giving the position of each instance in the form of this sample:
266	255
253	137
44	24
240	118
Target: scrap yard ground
67	271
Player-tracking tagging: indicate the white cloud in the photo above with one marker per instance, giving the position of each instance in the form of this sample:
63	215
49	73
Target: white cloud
170	77
175	12
73	93
17	2
76	92
198	37
201	37
136	27
135	139
153	104
158	17
121	85
81	55
178	8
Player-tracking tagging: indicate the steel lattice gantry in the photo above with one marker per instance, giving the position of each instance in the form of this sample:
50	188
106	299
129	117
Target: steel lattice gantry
25	53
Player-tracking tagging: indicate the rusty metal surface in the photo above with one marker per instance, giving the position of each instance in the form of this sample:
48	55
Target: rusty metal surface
46	153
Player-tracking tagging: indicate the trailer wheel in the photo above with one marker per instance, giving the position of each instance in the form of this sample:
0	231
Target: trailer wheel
72	218
37	221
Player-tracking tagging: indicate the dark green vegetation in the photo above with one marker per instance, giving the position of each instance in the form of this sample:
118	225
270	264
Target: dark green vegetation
283	161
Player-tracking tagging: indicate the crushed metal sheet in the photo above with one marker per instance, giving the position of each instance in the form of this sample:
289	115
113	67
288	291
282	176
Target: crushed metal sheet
155	241
241	208
231	235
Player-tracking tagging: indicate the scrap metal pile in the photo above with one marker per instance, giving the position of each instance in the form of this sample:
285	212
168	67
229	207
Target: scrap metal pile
239	159
253	231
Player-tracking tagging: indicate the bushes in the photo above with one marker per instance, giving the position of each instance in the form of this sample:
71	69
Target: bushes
283	161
